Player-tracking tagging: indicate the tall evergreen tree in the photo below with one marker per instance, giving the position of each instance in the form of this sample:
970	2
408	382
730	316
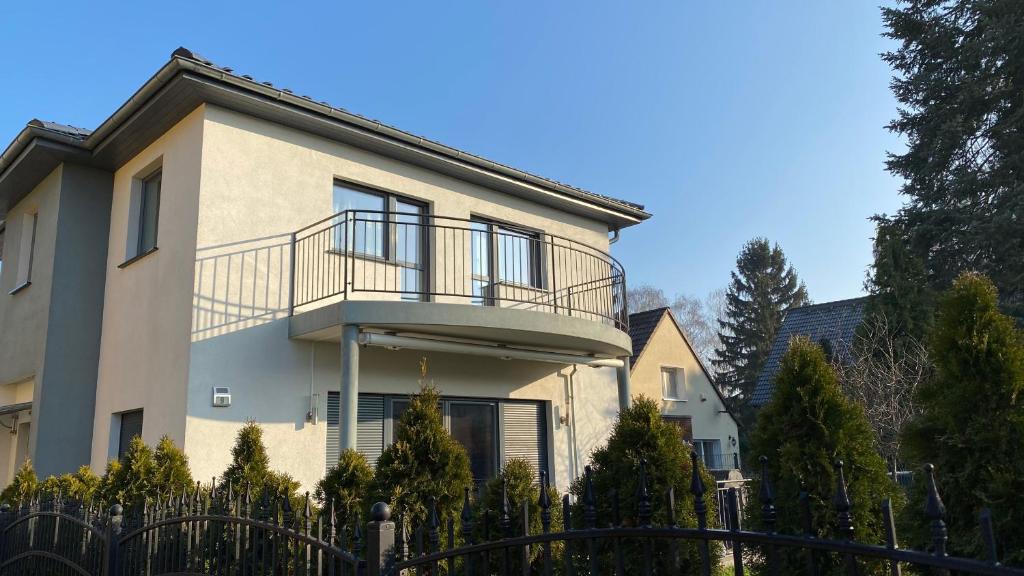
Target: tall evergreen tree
959	80
902	299
971	426
763	287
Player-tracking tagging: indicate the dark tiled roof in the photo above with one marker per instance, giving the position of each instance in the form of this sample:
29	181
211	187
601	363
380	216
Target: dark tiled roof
186	53
836	322
641	327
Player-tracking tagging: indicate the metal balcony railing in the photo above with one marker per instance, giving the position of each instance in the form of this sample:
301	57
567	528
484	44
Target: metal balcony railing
373	255
721	461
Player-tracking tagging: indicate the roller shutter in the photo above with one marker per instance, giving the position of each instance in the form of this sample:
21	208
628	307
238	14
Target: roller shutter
370	427
524	431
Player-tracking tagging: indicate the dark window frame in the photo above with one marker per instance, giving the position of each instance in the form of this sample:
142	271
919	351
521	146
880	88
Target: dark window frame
122	442
497	229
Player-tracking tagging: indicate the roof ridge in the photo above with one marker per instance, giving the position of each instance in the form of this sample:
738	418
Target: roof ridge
864	298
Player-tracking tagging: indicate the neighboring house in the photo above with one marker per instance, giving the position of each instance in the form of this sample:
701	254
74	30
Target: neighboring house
220	250
833	325
665	367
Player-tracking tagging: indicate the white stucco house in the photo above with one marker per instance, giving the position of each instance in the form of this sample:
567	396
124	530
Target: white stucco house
221	249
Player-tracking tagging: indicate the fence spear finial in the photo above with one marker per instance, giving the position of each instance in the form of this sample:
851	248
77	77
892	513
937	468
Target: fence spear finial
643	496
544	501
936	512
841	502
698	490
589	500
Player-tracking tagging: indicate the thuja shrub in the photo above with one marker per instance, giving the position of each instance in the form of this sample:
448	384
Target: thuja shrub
24	485
346	486
971	425
132	480
423	462
641	435
806	428
517	485
250	470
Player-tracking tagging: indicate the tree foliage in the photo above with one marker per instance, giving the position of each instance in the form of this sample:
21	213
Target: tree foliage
959	73
23	486
346	484
641	434
901	297
972	422
522	486
250	468
763	287
172	473
807	426
133	479
424	461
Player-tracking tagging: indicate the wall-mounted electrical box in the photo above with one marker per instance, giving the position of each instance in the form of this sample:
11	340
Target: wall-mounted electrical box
221	397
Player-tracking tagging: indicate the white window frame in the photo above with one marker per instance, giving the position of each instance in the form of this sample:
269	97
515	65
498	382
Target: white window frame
26	251
137	213
680	383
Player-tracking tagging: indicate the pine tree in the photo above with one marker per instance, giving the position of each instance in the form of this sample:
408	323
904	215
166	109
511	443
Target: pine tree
972	423
424	461
172	471
959	76
24	485
807	426
763	287
641	434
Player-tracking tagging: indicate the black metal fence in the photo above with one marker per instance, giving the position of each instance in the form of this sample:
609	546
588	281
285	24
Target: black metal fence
368	254
216	532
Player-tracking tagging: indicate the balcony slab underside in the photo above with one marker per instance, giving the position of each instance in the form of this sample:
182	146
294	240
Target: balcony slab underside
521	328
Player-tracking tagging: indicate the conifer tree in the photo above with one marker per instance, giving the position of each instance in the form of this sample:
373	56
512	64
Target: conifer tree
641	434
763	287
424	461
132	480
901	296
172	471
958	66
346	485
972	422
250	468
807	427
23	486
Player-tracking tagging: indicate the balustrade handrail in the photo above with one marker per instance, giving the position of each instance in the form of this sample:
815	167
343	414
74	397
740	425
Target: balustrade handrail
422	256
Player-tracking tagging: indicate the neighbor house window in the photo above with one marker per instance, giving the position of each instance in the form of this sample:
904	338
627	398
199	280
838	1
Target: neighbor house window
503	254
684	424
673	384
144	218
26	250
710	452
130	427
384	226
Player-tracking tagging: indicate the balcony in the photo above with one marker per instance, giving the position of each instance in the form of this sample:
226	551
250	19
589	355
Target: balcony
481	279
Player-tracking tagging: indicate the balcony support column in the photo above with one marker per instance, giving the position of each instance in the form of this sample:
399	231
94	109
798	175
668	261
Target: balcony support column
622	376
349	397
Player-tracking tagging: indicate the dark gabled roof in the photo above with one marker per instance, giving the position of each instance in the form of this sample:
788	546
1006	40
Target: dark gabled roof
835	322
641	327
189	79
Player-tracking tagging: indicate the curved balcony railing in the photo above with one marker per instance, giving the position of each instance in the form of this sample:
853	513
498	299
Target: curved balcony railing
373	255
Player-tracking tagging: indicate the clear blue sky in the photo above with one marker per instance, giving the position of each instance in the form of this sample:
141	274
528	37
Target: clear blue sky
728	120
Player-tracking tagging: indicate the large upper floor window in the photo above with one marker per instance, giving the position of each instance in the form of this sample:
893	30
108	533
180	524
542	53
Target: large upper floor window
503	254
386	227
144	215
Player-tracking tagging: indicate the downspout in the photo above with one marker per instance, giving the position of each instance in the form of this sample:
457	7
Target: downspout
312	416
615	236
575	449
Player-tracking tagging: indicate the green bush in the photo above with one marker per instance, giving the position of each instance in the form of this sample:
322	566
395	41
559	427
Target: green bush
423	462
972	422
809	425
82	485
522	485
132	480
639	434
347	485
24	485
172	473
250	469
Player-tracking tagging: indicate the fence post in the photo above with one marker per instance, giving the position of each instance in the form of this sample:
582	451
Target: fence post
112	533
380	540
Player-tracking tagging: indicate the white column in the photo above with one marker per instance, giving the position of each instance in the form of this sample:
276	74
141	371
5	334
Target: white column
349	397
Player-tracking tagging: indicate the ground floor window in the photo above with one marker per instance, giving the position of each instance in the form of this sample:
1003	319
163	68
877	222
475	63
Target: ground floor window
710	452
492	431
130	424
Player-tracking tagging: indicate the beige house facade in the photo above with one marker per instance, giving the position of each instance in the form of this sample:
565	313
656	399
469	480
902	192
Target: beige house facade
262	256
665	367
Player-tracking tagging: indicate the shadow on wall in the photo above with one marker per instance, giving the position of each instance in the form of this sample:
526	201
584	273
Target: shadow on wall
240	285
